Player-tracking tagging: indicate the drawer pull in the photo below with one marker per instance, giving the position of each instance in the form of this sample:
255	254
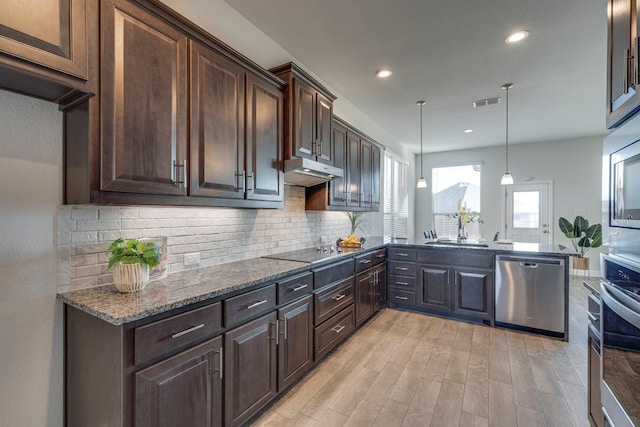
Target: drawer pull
402	268
187	331
380	256
365	261
402	283
299	287
338	297
402	254
220	362
401	298
255	304
338	329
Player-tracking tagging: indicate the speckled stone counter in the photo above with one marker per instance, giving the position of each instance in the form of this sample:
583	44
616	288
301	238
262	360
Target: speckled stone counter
178	289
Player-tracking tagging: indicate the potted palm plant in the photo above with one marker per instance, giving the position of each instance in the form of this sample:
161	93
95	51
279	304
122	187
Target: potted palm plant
583	237
131	261
356	219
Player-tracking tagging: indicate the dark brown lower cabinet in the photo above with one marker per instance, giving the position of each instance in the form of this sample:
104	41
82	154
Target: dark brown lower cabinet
596	416
184	390
364	296
295	346
473	292
250	368
434	292
380	288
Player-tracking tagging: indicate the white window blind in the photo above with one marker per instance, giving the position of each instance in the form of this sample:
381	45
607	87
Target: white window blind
396	198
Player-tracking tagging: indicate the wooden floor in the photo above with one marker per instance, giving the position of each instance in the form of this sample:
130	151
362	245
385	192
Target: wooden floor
408	369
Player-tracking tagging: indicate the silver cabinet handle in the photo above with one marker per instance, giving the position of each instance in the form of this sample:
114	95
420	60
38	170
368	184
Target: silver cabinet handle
338	297
380	256
402	283
249	182
220	362
402	268
276	324
365	261
178	182
299	287
338	329
255	304
402	254
187	331
401	298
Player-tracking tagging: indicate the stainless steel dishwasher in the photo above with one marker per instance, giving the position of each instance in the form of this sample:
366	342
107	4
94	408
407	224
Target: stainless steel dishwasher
530	292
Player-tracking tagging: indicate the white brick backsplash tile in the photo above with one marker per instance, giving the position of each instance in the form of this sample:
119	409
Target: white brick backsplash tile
88	271
135	224
110	236
108	212
84	237
84	212
98	225
84	260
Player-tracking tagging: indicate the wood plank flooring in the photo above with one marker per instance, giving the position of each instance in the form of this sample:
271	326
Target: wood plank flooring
409	369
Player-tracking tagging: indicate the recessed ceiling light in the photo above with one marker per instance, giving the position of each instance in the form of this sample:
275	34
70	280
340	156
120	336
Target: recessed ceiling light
468	130
517	36
384	73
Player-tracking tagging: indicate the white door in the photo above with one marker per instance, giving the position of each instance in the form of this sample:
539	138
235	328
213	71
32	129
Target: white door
528	212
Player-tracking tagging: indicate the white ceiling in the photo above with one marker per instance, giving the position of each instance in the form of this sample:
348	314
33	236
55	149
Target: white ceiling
451	53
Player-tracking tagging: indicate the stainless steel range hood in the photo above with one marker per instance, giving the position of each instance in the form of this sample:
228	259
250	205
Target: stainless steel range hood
307	173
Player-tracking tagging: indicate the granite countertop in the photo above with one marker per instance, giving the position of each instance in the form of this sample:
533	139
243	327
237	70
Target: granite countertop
191	286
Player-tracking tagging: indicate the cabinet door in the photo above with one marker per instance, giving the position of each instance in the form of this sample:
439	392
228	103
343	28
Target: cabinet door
250	368
184	390
51	33
264	141
295	347
353	170
596	416
375	178
623	97
304	119
338	186
143	110
217	125
435	291
473	292
380	288
366	191
364	296
324	119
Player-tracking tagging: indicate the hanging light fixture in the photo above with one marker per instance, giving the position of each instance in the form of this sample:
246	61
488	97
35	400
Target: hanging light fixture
422	183
507	179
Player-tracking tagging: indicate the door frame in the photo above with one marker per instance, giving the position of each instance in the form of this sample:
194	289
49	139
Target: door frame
549	183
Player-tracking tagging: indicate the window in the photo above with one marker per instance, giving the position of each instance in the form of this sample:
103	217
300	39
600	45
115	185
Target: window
396	198
452	185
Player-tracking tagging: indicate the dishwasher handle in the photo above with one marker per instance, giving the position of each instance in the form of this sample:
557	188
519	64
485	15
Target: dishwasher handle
529	264
529	261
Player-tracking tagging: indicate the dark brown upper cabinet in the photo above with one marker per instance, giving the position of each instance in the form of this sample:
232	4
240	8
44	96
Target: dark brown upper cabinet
359	190
623	70
308	109
43	48
180	118
144	102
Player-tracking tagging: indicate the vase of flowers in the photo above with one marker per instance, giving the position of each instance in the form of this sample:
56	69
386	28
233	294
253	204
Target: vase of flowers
464	215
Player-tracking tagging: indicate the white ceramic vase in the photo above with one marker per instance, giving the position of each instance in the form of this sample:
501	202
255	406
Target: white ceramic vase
130	277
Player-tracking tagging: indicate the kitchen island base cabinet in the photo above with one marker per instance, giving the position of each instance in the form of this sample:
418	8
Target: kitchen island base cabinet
435	292
250	368
473	293
185	390
334	331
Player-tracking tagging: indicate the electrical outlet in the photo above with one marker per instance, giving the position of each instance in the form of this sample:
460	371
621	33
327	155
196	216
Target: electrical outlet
323	239
192	259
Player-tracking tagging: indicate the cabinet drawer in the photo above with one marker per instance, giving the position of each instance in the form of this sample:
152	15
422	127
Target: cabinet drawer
332	273
402	268
401	297
248	305
334	331
364	262
332	299
467	258
402	283
402	254
379	256
294	287
165	335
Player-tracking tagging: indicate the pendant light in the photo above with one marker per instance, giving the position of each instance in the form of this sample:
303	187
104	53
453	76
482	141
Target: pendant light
507	179
422	183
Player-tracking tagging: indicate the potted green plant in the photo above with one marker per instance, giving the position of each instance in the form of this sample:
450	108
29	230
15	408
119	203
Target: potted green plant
131	261
583	237
356	219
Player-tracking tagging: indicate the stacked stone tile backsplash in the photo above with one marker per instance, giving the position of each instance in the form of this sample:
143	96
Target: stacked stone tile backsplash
220	235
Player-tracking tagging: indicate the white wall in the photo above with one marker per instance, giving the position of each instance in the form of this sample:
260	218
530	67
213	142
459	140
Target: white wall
574	167
31	323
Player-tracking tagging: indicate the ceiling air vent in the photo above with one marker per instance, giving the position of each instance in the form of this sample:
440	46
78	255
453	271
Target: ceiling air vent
485	102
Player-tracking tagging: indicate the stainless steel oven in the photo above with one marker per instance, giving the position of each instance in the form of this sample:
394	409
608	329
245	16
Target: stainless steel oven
620	334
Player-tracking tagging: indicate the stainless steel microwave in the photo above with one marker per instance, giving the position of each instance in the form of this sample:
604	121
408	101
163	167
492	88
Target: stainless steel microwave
624	182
